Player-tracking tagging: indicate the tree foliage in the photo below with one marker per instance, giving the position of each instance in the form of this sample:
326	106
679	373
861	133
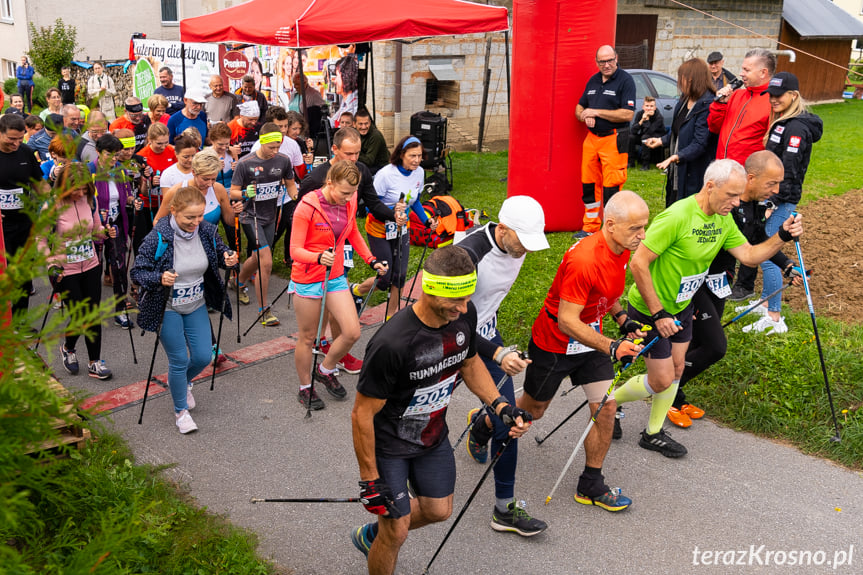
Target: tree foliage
52	47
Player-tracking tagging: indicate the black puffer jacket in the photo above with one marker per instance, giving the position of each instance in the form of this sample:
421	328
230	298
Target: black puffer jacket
792	141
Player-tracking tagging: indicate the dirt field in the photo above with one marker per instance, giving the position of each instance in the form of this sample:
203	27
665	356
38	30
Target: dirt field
834	253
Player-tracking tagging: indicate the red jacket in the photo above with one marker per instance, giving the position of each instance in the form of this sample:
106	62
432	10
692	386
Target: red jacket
311	234
741	123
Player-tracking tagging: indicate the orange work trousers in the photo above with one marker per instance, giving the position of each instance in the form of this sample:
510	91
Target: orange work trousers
603	171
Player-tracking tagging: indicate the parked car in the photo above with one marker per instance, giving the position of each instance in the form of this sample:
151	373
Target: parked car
661	86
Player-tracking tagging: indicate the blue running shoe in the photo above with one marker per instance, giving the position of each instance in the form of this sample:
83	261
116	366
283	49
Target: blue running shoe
611	500
362	538
477	445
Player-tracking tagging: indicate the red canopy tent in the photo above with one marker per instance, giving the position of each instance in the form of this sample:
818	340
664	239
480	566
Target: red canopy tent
307	23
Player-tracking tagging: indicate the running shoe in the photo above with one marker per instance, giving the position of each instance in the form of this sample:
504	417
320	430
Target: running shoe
185	423
350	364
760	310
106	281
217	355
767	325
324	348
331	382
692	411
362	537
123	322
740	293
269	320
611	500
679	418
58	303
303	396
99	370
244	291
517	520
662	443
70	360
581	234
477	441
190	399
618	430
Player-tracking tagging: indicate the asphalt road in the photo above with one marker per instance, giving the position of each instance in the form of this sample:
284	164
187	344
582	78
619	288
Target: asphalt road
735	504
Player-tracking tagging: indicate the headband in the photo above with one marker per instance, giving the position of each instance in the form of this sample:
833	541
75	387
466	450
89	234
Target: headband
135	108
271	137
411	140
128	142
449	286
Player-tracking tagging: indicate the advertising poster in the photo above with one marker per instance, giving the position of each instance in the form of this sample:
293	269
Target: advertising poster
201	61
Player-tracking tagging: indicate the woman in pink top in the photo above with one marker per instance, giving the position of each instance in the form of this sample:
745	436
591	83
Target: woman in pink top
73	264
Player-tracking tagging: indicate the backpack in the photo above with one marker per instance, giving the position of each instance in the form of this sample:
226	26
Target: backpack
452	218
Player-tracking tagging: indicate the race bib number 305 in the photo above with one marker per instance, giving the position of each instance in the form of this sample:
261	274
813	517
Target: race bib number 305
688	286
188	293
432	398
11	199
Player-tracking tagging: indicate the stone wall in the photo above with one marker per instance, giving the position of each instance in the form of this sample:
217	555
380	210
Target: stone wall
682	34
467	57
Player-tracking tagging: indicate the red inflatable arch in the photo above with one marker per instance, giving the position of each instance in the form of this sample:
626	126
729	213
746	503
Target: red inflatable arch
554	47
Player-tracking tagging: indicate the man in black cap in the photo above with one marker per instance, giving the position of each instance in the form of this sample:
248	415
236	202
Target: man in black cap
721	77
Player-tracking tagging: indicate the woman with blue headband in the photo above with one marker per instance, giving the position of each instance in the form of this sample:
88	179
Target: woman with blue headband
399	185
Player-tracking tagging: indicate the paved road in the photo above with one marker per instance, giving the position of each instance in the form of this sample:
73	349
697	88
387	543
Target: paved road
732	493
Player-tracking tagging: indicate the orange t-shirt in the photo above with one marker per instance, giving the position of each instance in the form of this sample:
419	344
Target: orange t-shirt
590	275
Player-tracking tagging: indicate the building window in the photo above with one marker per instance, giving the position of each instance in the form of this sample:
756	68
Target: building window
6	10
9	68
441	93
169	11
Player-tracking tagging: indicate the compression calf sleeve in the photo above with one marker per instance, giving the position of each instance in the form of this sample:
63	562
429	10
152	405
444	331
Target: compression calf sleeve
634	389
661	403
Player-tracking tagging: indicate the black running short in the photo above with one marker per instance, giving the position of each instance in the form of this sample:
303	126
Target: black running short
547	370
265	236
662	348
431	474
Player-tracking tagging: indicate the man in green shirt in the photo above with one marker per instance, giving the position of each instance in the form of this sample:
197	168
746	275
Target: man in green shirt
668	267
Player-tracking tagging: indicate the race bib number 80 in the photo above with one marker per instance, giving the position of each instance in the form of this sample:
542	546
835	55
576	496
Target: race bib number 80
688	286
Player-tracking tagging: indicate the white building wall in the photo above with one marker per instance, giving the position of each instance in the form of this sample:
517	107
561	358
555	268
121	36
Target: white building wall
15	39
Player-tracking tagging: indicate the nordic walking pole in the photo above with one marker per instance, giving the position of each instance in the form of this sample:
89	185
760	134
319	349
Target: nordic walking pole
166	297
117	262
397	264
54	275
317	344
467	503
253	188
221	321
266	309
306	500
419	269
371	291
596	414
755	305
836	438
539	441
239	250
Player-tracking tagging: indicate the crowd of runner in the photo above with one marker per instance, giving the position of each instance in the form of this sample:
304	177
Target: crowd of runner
140	203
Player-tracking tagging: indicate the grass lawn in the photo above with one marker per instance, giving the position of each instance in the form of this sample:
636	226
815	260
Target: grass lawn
770	386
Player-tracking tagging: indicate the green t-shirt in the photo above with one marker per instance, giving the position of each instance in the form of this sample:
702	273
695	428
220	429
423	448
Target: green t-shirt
686	241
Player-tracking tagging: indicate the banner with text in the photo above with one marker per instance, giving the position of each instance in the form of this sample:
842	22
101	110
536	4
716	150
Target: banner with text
201	61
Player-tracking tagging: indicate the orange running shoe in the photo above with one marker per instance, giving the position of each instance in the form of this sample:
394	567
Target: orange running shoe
678	418
692	411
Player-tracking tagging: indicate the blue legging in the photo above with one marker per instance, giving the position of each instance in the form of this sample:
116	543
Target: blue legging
504	470
188	345
772	273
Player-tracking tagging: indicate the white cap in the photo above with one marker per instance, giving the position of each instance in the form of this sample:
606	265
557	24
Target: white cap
525	217
195	96
250	109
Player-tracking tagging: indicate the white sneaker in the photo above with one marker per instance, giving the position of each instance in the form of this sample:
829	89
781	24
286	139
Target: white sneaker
190	399
767	325
760	310
185	423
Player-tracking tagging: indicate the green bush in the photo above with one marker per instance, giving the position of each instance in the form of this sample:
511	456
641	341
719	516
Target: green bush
40	86
855	76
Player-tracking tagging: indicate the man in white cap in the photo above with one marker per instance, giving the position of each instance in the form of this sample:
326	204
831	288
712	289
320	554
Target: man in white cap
244	128
191	116
498	251
566	339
